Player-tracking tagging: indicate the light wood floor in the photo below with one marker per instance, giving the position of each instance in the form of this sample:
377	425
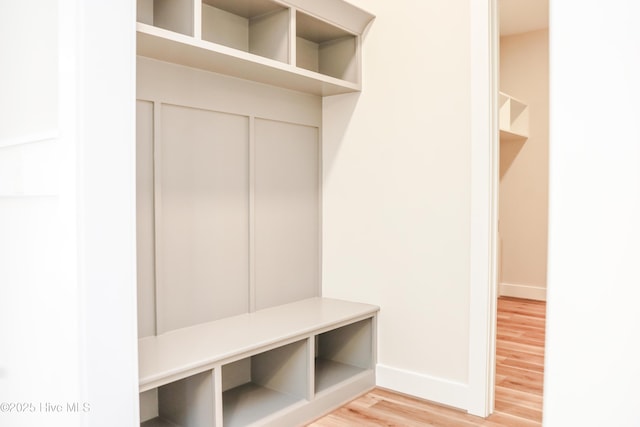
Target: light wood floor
519	373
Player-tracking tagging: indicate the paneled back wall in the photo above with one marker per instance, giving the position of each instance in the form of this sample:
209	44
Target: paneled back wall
228	193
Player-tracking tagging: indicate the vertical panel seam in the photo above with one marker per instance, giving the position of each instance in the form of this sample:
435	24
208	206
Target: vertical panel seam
157	199
252	215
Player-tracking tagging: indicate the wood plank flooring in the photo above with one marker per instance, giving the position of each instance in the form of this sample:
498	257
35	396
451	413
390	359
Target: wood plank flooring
519	375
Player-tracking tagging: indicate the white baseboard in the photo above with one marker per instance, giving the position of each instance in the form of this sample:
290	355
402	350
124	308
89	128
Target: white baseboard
537	293
438	390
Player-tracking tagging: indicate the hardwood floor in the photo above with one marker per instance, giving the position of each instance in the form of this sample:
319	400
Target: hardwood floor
519	376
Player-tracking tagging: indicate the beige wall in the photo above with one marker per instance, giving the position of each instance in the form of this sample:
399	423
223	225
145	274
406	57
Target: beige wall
524	168
397	192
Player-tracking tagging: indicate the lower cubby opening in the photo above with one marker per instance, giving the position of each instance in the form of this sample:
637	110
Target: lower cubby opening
342	354
262	385
184	403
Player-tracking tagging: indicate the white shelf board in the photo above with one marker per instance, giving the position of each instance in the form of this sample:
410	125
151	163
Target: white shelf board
505	135
183	352
165	45
330	373
248	403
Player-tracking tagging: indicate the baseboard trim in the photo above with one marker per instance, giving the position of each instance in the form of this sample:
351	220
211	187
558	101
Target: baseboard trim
438	390
537	293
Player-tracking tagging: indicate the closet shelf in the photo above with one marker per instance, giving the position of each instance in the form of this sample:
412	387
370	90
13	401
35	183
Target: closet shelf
514	118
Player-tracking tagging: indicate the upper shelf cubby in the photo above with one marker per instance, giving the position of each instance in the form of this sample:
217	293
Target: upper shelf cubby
325	49
172	15
260	27
305	45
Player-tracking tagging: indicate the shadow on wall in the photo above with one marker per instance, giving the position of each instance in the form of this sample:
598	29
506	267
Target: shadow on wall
509	150
337	112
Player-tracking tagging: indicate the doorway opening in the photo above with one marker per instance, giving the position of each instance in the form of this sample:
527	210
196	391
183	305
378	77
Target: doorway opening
521	260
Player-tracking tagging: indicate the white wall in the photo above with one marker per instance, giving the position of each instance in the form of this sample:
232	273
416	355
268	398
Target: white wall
592	370
39	316
524	168
67	218
397	194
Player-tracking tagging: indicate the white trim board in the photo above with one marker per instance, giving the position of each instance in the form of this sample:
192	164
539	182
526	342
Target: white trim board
538	293
443	391
484	192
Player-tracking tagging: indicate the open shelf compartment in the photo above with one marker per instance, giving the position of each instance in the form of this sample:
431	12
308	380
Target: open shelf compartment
188	402
325	48
260	27
172	15
259	386
343	353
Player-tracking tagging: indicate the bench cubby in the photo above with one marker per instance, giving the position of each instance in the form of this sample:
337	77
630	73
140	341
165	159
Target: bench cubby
263	384
188	402
342	354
